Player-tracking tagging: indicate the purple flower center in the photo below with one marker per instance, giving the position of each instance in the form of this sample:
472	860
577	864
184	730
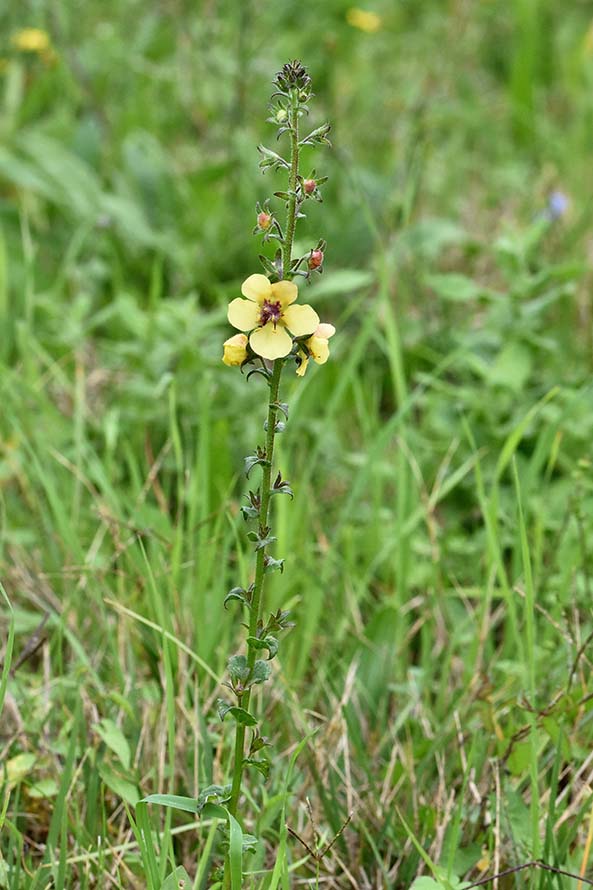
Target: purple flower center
270	312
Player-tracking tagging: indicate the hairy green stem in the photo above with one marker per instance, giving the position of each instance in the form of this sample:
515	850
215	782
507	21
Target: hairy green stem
260	568
260	564
291	216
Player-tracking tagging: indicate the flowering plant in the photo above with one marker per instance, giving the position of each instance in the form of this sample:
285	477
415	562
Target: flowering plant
274	329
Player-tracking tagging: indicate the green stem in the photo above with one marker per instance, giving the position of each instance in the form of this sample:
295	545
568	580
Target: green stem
257	598
260	568
292	212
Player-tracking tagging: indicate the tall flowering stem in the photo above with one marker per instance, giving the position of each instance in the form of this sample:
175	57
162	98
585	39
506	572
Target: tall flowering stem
291	216
259	583
274	331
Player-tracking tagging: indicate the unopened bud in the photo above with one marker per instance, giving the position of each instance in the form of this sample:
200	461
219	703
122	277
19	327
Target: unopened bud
235	350
281	115
309	186
264	220
316	259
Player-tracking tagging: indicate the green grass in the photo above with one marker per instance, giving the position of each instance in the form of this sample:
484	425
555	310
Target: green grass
437	683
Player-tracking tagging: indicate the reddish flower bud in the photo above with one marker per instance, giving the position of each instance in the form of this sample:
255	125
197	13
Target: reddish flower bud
309	185
316	259
264	220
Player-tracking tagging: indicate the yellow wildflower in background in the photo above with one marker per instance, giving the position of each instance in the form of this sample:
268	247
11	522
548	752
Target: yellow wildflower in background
31	40
268	314
318	347
364	20
34	40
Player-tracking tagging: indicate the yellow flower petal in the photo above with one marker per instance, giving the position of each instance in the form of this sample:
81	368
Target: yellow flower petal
301	320
325	330
235	350
303	365
319	349
243	314
271	342
256	288
285	291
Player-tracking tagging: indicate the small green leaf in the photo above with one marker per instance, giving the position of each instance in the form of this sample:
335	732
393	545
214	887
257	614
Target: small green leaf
283	489
120	786
261	672
240	715
18	767
253	459
237	594
249	512
237	667
115	740
43	788
264	542
520	757
271	159
512	367
257	743
273	565
213	811
317	136
262	766
177	880
212	796
249	843
268	642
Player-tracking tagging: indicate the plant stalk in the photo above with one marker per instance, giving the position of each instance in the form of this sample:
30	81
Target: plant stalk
258	589
291	216
259	582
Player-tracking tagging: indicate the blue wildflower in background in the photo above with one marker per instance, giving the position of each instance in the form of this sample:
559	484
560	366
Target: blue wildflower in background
557	206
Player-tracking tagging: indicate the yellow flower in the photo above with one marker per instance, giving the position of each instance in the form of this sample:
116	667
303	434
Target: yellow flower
235	350
267	313
34	40
31	40
364	20
317	346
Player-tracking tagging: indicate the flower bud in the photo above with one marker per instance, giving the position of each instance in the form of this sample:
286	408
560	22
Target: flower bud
281	115
309	186
264	220
235	350
315	259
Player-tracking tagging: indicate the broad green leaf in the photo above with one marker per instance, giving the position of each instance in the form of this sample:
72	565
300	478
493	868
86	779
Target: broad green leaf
120	786
187	804
43	788
115	740
19	766
454	288
512	367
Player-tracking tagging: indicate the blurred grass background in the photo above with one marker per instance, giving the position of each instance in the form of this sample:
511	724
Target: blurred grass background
438	549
